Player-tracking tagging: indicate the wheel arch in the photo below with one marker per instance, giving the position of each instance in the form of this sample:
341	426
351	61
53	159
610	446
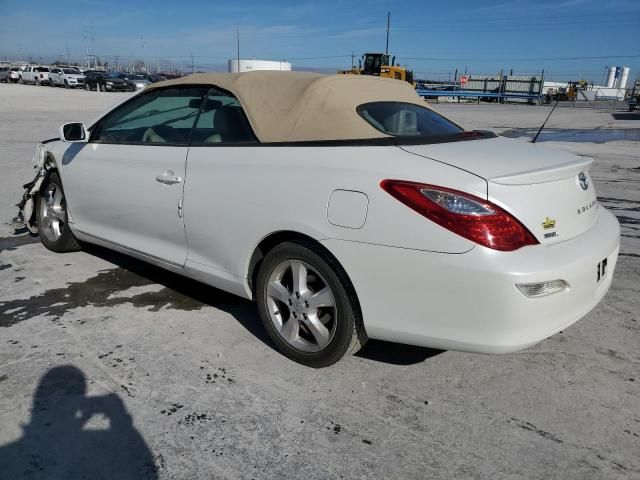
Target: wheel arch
276	238
51	164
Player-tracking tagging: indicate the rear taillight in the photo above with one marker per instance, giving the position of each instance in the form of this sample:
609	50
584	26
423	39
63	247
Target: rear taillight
470	217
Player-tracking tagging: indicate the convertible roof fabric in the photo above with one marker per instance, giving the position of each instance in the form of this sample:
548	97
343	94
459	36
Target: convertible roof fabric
303	106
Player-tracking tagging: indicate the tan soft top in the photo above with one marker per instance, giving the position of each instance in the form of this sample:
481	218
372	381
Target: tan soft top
302	106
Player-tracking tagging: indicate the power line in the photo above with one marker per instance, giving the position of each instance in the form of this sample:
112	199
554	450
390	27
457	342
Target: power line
320	57
540	59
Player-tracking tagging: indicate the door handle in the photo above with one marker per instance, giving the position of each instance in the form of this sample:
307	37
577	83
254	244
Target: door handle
168	178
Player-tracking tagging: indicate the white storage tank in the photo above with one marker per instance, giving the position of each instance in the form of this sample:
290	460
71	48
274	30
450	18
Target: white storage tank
611	78
249	65
624	78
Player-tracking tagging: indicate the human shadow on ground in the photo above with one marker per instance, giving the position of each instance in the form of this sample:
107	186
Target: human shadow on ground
59	442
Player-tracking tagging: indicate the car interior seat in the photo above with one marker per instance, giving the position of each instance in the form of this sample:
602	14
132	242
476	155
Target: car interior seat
231	126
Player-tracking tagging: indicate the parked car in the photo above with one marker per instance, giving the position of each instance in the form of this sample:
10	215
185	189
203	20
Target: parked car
14	74
105	81
343	205
135	81
4	74
156	77
36	75
66	77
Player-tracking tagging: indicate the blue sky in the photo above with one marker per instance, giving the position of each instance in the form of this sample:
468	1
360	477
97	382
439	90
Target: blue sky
433	38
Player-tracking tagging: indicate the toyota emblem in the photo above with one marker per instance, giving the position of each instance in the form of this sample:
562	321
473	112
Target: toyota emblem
583	180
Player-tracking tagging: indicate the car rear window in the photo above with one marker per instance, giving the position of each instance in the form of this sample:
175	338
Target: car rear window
42	69
401	119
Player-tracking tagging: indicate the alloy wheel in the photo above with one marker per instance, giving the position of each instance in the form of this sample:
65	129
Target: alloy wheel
53	212
301	306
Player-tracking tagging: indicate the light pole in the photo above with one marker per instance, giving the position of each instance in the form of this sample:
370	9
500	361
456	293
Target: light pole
144	55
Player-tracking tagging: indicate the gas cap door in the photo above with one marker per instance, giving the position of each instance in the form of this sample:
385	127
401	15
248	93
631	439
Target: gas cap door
347	208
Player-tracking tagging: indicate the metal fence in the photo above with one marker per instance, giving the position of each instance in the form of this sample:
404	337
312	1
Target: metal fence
492	87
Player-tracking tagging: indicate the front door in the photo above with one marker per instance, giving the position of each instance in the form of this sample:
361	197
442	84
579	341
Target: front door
126	184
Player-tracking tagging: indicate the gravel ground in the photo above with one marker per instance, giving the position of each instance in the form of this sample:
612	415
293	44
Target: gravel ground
166	378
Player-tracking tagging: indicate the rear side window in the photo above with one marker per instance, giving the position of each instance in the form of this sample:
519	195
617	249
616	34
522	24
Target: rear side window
401	119
222	121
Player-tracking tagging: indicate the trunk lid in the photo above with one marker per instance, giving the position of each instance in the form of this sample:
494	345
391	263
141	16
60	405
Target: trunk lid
543	188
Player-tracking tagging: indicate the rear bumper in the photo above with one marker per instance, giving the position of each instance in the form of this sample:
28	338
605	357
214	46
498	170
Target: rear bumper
469	301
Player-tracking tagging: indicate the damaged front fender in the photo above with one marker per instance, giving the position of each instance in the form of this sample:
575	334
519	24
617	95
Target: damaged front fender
26	207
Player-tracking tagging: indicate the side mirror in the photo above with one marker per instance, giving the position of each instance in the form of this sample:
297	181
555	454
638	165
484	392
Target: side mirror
73	133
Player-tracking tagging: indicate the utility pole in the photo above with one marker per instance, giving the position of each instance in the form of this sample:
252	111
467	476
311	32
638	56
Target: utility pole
93	44
192	66
86	44
353	59
238	51
386	48
158	66
144	55
68	56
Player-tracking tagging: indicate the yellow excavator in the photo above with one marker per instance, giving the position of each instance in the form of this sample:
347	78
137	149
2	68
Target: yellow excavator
380	65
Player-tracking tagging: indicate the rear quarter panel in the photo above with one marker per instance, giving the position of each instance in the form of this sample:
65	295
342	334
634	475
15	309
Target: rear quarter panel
236	196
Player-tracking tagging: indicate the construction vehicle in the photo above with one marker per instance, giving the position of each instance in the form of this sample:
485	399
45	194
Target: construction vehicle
380	65
568	93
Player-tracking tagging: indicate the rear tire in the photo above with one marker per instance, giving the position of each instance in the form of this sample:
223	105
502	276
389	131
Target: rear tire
51	217
315	320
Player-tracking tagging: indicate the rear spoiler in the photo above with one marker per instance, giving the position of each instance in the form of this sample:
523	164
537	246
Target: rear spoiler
547	174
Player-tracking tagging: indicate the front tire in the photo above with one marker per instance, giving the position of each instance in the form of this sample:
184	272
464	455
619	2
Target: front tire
306	306
51	217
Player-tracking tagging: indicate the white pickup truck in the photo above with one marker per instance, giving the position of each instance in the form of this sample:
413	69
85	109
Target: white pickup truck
35	74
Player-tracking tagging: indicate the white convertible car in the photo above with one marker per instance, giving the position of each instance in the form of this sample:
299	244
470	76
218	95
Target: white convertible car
342	204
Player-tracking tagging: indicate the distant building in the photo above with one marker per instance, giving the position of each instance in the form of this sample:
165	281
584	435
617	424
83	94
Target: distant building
249	65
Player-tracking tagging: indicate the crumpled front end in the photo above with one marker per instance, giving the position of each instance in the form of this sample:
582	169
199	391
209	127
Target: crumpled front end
26	217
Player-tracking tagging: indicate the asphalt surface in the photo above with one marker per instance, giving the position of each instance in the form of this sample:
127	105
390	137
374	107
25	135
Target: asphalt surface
110	368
